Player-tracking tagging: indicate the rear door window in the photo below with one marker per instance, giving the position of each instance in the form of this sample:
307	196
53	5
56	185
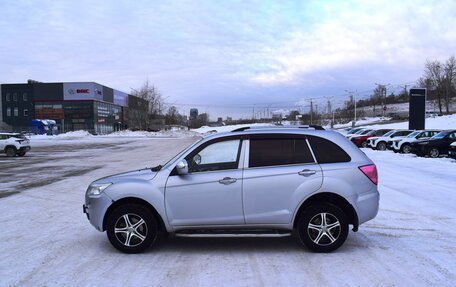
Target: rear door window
279	151
326	151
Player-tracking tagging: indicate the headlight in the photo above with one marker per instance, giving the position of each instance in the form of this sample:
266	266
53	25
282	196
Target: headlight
97	188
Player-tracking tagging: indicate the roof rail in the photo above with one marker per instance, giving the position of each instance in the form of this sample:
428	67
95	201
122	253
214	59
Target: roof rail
316	127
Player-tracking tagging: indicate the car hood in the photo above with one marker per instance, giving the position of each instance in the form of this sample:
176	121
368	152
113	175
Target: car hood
141	174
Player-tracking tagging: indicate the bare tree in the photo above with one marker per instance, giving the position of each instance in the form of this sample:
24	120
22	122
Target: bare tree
154	104
449	81
434	79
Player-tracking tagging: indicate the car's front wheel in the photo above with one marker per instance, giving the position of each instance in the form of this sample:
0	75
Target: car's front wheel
323	228
381	146
406	148
131	228
434	152
364	144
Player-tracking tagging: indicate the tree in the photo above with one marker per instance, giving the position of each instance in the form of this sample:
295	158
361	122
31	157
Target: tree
173	117
153	108
449	81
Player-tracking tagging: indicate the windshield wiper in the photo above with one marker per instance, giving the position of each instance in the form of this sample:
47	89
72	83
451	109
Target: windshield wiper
156	168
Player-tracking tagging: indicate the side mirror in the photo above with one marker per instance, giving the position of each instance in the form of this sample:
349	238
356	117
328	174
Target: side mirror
182	167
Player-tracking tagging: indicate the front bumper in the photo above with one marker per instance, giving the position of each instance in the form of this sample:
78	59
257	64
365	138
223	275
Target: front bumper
24	149
452	153
95	209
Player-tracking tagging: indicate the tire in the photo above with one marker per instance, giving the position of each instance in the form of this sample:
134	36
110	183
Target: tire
433	152
10	152
381	146
364	144
319	238
405	148
21	153
132	236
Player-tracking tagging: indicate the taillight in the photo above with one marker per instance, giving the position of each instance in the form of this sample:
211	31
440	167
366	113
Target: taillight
371	172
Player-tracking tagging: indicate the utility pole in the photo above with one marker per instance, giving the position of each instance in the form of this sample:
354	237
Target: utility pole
353	99
383	95
311	110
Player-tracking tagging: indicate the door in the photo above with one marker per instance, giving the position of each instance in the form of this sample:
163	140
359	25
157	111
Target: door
281	172
211	193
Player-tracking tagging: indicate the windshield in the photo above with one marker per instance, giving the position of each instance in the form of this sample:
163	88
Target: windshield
412	135
181	153
365	132
371	133
440	135
389	133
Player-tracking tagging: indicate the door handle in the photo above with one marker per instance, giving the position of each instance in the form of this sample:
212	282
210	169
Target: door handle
307	172
227	180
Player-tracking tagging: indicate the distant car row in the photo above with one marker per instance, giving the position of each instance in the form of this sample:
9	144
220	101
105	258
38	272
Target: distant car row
432	143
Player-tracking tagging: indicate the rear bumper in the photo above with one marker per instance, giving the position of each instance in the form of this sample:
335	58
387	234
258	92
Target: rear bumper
367	205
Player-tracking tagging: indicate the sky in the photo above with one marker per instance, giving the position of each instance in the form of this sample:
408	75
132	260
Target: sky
228	58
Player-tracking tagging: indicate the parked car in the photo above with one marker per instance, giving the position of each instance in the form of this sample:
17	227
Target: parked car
452	150
436	146
249	182
361	140
13	144
402	145
359	133
380	143
353	131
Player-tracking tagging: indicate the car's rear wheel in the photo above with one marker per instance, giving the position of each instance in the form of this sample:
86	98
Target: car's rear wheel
405	148
381	146
10	151
131	228
21	153
323	228
434	152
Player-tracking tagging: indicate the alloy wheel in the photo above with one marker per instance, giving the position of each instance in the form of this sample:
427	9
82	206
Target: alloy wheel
324	229
434	152
130	230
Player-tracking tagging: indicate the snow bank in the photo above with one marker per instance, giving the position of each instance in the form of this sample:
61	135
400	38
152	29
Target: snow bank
443	122
363	121
64	136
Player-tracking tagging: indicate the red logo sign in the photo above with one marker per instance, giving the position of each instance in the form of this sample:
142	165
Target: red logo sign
82	91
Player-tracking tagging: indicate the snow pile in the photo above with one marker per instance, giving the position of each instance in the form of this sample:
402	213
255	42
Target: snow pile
64	136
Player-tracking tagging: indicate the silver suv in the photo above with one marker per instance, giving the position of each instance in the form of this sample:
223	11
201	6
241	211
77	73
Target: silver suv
249	182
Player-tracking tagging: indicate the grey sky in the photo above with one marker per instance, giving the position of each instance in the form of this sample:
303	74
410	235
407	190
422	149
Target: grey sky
225	56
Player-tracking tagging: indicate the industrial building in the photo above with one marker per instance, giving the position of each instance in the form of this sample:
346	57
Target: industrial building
73	105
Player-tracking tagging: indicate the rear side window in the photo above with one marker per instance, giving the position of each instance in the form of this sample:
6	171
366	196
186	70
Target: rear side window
278	151
326	151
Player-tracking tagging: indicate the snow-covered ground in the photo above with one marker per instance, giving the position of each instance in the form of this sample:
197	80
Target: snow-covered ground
46	240
442	122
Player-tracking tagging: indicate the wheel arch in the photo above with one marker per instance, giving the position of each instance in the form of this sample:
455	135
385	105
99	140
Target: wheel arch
331	198
10	146
134	200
